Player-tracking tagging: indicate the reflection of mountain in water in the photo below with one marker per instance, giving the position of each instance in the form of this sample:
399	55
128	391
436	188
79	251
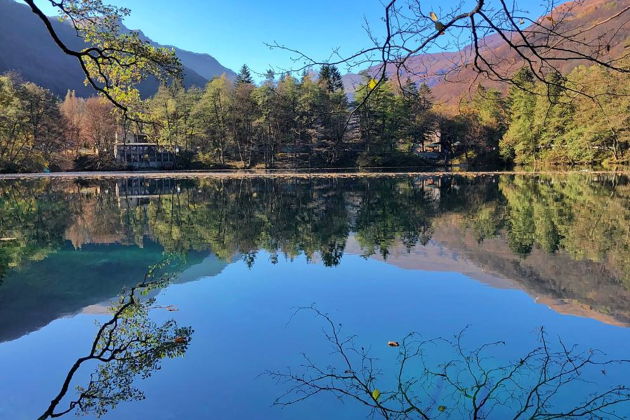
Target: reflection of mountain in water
433	257
71	281
581	288
576	287
530	232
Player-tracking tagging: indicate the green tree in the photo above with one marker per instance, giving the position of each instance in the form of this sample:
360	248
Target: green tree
330	78
244	76
377	116
31	126
519	142
211	116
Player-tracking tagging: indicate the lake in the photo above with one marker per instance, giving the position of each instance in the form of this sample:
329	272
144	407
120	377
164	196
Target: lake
315	297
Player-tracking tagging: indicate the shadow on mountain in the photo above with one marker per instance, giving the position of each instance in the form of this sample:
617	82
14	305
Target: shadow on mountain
69	281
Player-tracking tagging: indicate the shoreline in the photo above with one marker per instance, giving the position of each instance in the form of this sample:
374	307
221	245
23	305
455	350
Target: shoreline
297	173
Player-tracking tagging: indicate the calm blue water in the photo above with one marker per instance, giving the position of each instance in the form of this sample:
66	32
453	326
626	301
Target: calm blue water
243	313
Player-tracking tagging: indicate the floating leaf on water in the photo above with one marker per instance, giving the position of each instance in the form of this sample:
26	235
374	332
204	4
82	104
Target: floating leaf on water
375	394
442	408
393	344
170	308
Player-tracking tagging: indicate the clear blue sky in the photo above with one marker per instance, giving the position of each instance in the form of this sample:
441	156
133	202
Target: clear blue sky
234	32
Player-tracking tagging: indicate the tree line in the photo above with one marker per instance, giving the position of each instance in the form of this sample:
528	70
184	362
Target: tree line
287	121
566	126
310	121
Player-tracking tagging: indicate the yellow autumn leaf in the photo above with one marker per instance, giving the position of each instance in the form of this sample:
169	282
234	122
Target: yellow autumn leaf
433	16
375	394
372	83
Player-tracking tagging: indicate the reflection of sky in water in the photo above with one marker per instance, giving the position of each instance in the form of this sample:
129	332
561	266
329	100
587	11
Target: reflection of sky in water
240	318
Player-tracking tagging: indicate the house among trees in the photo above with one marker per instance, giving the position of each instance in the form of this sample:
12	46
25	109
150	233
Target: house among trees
134	150
137	192
431	146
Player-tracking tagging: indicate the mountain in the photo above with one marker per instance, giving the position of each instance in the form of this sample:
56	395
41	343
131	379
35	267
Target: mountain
450	79
30	300
205	65
26	48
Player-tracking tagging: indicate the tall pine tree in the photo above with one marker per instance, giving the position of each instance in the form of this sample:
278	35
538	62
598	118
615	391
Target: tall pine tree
330	78
244	76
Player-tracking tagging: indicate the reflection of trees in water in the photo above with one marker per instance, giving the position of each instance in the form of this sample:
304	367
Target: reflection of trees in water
33	217
443	378
582	216
287	216
127	346
586	218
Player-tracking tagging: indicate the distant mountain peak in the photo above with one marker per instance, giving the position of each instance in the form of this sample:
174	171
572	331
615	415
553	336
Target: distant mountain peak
27	48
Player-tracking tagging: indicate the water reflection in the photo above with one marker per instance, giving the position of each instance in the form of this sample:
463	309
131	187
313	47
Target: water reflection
564	239
128	346
385	251
446	377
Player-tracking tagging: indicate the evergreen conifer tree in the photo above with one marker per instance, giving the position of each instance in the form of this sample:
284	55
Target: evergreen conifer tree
244	76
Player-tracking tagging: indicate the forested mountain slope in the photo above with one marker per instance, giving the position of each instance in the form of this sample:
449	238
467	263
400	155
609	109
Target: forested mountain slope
27	49
451	75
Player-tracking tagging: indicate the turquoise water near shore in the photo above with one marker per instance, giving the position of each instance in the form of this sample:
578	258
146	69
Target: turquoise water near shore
498	256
